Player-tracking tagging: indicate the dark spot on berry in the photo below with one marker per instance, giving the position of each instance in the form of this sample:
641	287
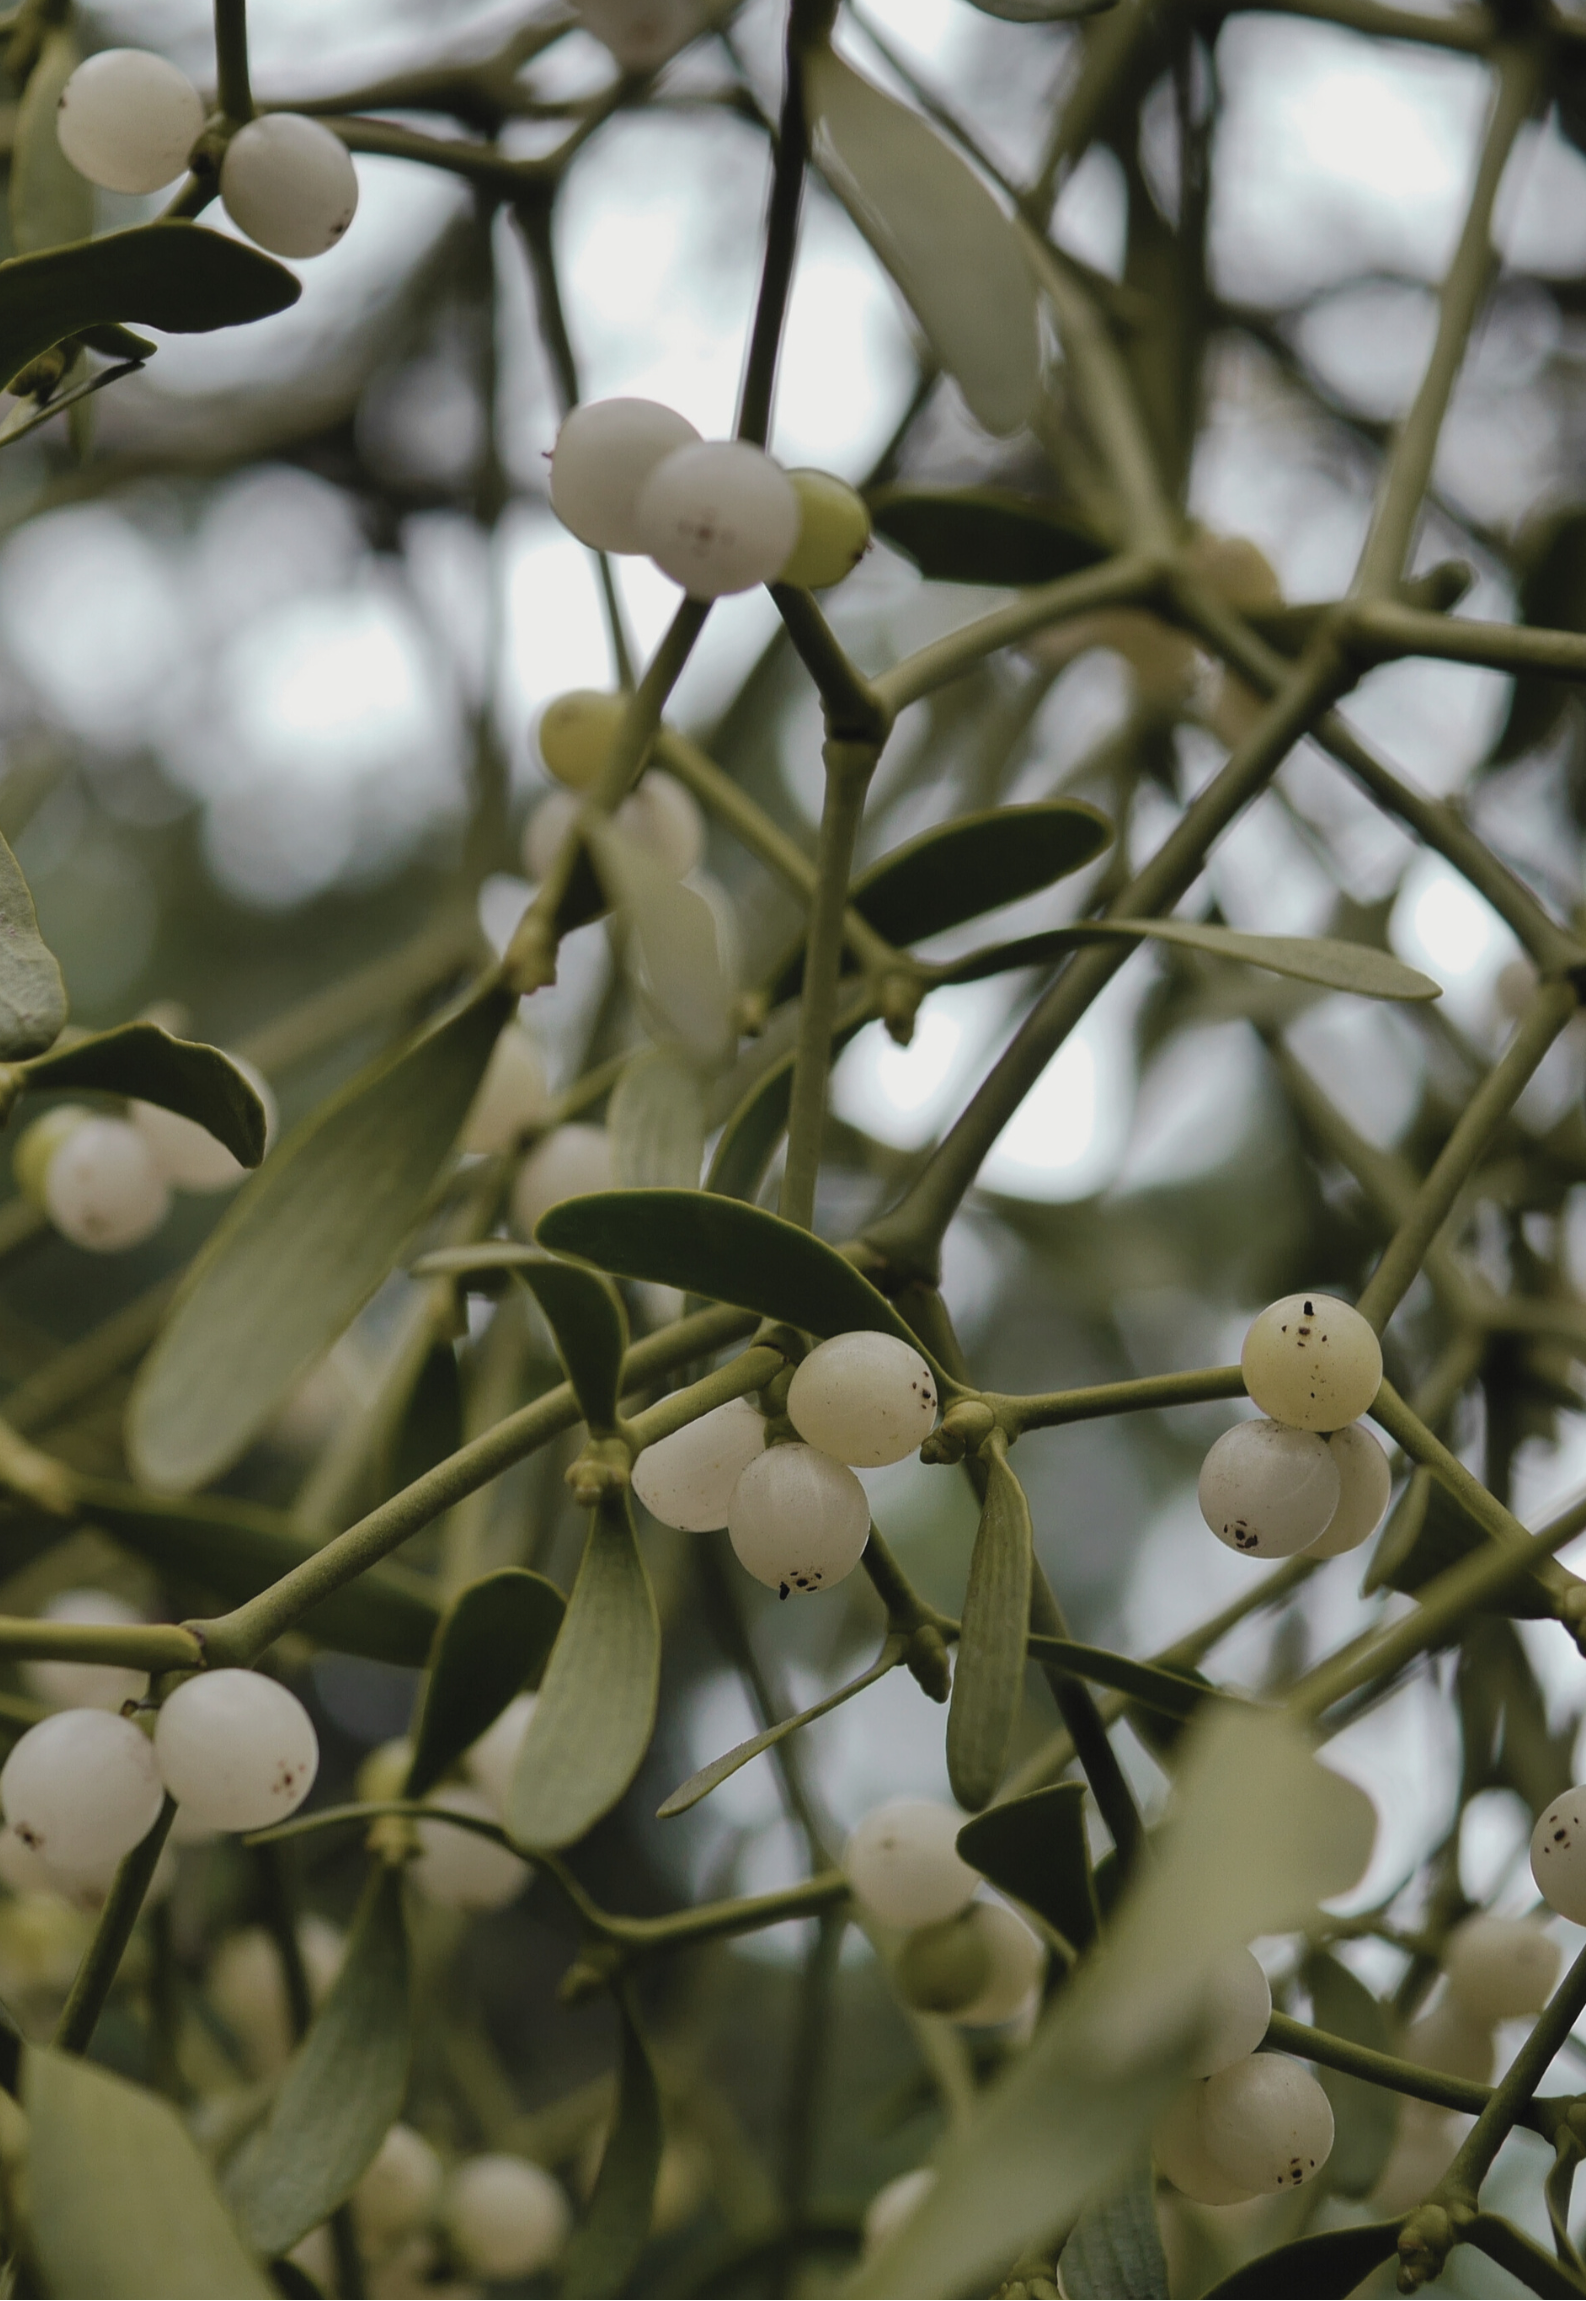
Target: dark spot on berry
1309	1311
782	1591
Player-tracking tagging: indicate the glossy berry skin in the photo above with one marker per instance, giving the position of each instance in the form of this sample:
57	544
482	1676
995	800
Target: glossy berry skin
904	1866
458	1868
1558	1856
491	1761
400	2191
127	120
604	453
187	1154
1267	2123
289	183
1500	1969
687	1480
1179	2147
1266	1490
1238	2007
797	1520
1365	1483
868	1399
514	1096
1313	1362
102	1188
506	2217
81	1789
572	1160
834	531
893	2203
86	1685
1018	1964
575	735
237	1749
718	518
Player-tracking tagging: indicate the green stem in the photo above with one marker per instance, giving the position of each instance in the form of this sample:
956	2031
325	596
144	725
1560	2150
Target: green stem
1383	629
159	1647
1511	2096
855	710
801	2121
849	767
1128	581
1080	1713
95	1977
751	1370
235	93
781	236
1384	2069
1049	1409
1403	491
1468	31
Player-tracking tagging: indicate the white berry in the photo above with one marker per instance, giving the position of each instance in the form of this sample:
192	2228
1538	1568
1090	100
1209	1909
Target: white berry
460	1869
81	1789
127	120
289	183
1236	2011
1018	1966
1500	1968
1558	1856
1364	1484
604	453
1312	1361
238	1749
1451	2040
87	1685
400	2190
187	1154
687	1480
247	1987
642	34
569	1162
798	1520
904	1866
892	2205
1179	2146
1267	2123
506	2217
661	816
1267	1490
513	1096
492	1760
718	517
866	1398
102	1188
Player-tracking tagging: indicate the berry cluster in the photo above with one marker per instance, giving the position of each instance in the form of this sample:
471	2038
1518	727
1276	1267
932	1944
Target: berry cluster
128	121
82	1788
1308	1476
502	2218
963	1955
106	1182
458	1868
717	516
796	1515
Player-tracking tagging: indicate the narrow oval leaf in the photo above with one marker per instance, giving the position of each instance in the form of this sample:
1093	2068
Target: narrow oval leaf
656	1121
119	2201
678	947
50	202
32	995
585	1314
144	1063
1041	11
983	535
1365	2117
742	1156
1175	1693
1115	2252
174	276
1035	1849
1521	2255
940	234
302	1248
493	1641
712	1776
1313	2268
722	1249
605	2248
1337	966
343	2088
592	1723
988	1676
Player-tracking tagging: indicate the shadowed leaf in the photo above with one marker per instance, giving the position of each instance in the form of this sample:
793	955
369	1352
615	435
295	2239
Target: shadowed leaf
50	202
143	1062
493	1641
710	1777
1313	2268
983	535
656	1121
988	1677
1115	2252
32	995
605	2248
1035	1849
1175	1693
585	1314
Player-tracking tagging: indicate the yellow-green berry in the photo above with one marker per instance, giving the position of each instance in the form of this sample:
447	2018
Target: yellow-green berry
834	531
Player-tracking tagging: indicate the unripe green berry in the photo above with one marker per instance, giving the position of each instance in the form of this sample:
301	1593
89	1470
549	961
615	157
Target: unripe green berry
576	732
944	1968
834	531
37	1145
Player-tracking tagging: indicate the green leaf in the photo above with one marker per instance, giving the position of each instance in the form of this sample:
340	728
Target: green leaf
343	2088
1116	2249
1355	967
605	2249
303	1247
1365	2117
235	1550
50	202
431	1424
1313	2268
988	1677
724	1250
1436	1531
493	1640
585	1314
1035	1849
1521	2255
1175	1693
939	232
675	931
712	1776
592	1723
119	2200
983	535
146	1064
1261	1834
1551	555
32	995
656	1121
744	1147
174	276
